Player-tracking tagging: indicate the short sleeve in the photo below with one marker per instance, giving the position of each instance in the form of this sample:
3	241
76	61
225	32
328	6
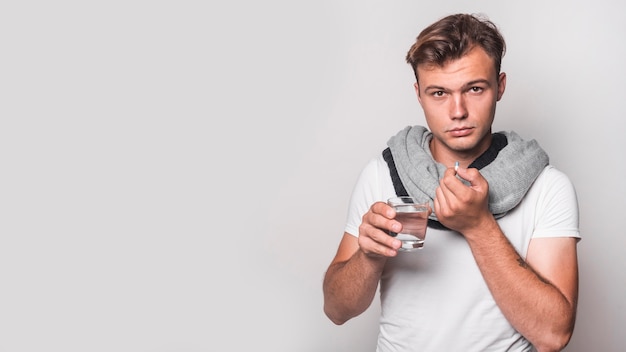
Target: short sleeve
557	207
371	186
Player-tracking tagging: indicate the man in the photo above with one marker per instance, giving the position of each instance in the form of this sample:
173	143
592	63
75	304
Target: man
498	271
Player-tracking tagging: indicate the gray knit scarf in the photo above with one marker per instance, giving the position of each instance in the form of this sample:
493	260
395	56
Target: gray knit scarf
510	174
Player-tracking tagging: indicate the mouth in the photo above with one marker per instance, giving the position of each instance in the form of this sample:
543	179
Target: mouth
460	131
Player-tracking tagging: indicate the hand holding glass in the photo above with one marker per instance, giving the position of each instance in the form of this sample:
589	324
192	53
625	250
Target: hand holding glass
414	218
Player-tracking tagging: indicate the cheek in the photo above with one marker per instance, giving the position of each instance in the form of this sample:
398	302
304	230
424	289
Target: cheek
437	114
431	114
484	107
434	108
435	123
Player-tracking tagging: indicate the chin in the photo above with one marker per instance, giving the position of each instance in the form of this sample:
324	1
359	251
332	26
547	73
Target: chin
467	145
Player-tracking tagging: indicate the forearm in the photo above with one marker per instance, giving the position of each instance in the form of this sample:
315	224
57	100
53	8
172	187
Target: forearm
533	305
350	286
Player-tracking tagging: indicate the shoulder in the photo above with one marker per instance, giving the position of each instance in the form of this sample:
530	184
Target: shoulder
554	179
376	168
553	198
374	183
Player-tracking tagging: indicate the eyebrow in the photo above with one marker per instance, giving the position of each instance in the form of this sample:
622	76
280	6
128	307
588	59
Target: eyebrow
465	86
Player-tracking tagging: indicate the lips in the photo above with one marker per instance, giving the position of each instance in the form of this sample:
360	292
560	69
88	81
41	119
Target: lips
460	132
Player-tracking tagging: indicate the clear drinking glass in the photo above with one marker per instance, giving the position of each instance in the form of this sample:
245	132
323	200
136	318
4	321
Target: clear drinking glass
414	218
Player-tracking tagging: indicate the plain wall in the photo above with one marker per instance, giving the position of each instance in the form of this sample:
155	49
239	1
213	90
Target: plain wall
175	175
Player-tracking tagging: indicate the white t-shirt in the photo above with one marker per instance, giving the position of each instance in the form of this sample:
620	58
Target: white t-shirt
435	299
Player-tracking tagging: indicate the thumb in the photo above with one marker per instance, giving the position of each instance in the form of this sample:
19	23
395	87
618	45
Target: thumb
472	176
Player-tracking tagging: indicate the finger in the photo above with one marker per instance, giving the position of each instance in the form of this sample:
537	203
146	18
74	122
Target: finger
440	196
436	203
382	222
378	222
471	175
453	185
386	244
447	201
447	183
443	198
375	241
383	209
451	176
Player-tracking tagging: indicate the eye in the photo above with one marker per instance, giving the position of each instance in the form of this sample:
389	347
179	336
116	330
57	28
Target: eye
438	93
476	89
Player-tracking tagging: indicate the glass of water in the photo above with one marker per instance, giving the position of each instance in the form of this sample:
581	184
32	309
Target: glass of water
414	218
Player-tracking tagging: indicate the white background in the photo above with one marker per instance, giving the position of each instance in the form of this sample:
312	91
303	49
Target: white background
174	175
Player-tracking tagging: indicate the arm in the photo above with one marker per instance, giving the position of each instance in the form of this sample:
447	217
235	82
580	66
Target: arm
352	278
537	295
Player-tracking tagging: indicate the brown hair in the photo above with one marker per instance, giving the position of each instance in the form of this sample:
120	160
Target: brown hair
454	36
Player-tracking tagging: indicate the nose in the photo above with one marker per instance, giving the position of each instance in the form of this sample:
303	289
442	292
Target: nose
458	109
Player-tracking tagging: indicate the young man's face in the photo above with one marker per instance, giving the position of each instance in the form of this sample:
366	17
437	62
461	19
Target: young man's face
459	102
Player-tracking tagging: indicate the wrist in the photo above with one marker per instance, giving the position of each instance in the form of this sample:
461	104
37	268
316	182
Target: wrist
375	262
482	229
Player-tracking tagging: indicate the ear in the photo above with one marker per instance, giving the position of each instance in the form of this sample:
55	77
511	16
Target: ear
501	85
417	92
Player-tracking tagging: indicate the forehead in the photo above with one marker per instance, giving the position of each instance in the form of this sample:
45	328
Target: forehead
475	65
